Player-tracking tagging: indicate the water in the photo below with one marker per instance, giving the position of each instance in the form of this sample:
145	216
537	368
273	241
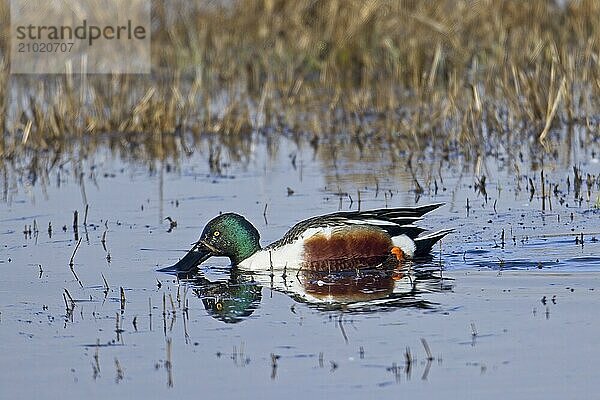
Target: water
491	311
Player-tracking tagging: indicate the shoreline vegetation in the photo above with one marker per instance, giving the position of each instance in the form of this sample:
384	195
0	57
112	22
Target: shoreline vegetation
449	76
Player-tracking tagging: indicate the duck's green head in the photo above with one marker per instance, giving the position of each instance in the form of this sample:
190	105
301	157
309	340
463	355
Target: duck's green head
231	235
228	235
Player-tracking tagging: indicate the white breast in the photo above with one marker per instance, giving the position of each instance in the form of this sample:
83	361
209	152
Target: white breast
289	256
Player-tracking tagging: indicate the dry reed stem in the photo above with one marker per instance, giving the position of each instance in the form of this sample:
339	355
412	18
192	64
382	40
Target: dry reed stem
411	74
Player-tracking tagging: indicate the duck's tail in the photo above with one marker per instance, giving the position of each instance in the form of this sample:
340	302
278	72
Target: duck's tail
425	243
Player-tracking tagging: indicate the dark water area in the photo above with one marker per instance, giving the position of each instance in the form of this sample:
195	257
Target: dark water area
509	297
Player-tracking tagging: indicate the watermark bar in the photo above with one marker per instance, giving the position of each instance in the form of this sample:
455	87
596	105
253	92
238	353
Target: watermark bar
83	36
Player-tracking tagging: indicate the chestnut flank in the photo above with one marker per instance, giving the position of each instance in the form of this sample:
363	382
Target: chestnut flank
359	246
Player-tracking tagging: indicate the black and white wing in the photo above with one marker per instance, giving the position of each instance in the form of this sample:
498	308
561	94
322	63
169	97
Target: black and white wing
394	221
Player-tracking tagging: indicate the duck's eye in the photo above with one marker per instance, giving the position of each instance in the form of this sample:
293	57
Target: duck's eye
216	233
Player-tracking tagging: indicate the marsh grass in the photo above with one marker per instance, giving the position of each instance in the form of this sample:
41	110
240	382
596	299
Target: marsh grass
448	75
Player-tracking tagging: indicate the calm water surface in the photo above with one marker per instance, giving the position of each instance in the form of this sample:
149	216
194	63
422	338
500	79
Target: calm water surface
510	298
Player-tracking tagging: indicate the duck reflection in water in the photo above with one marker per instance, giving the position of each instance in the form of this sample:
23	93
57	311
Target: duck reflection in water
230	300
367	289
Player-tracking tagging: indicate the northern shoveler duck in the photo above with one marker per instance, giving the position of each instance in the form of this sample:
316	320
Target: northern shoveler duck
332	242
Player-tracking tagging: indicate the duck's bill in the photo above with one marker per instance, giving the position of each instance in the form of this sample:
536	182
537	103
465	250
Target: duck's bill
197	255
